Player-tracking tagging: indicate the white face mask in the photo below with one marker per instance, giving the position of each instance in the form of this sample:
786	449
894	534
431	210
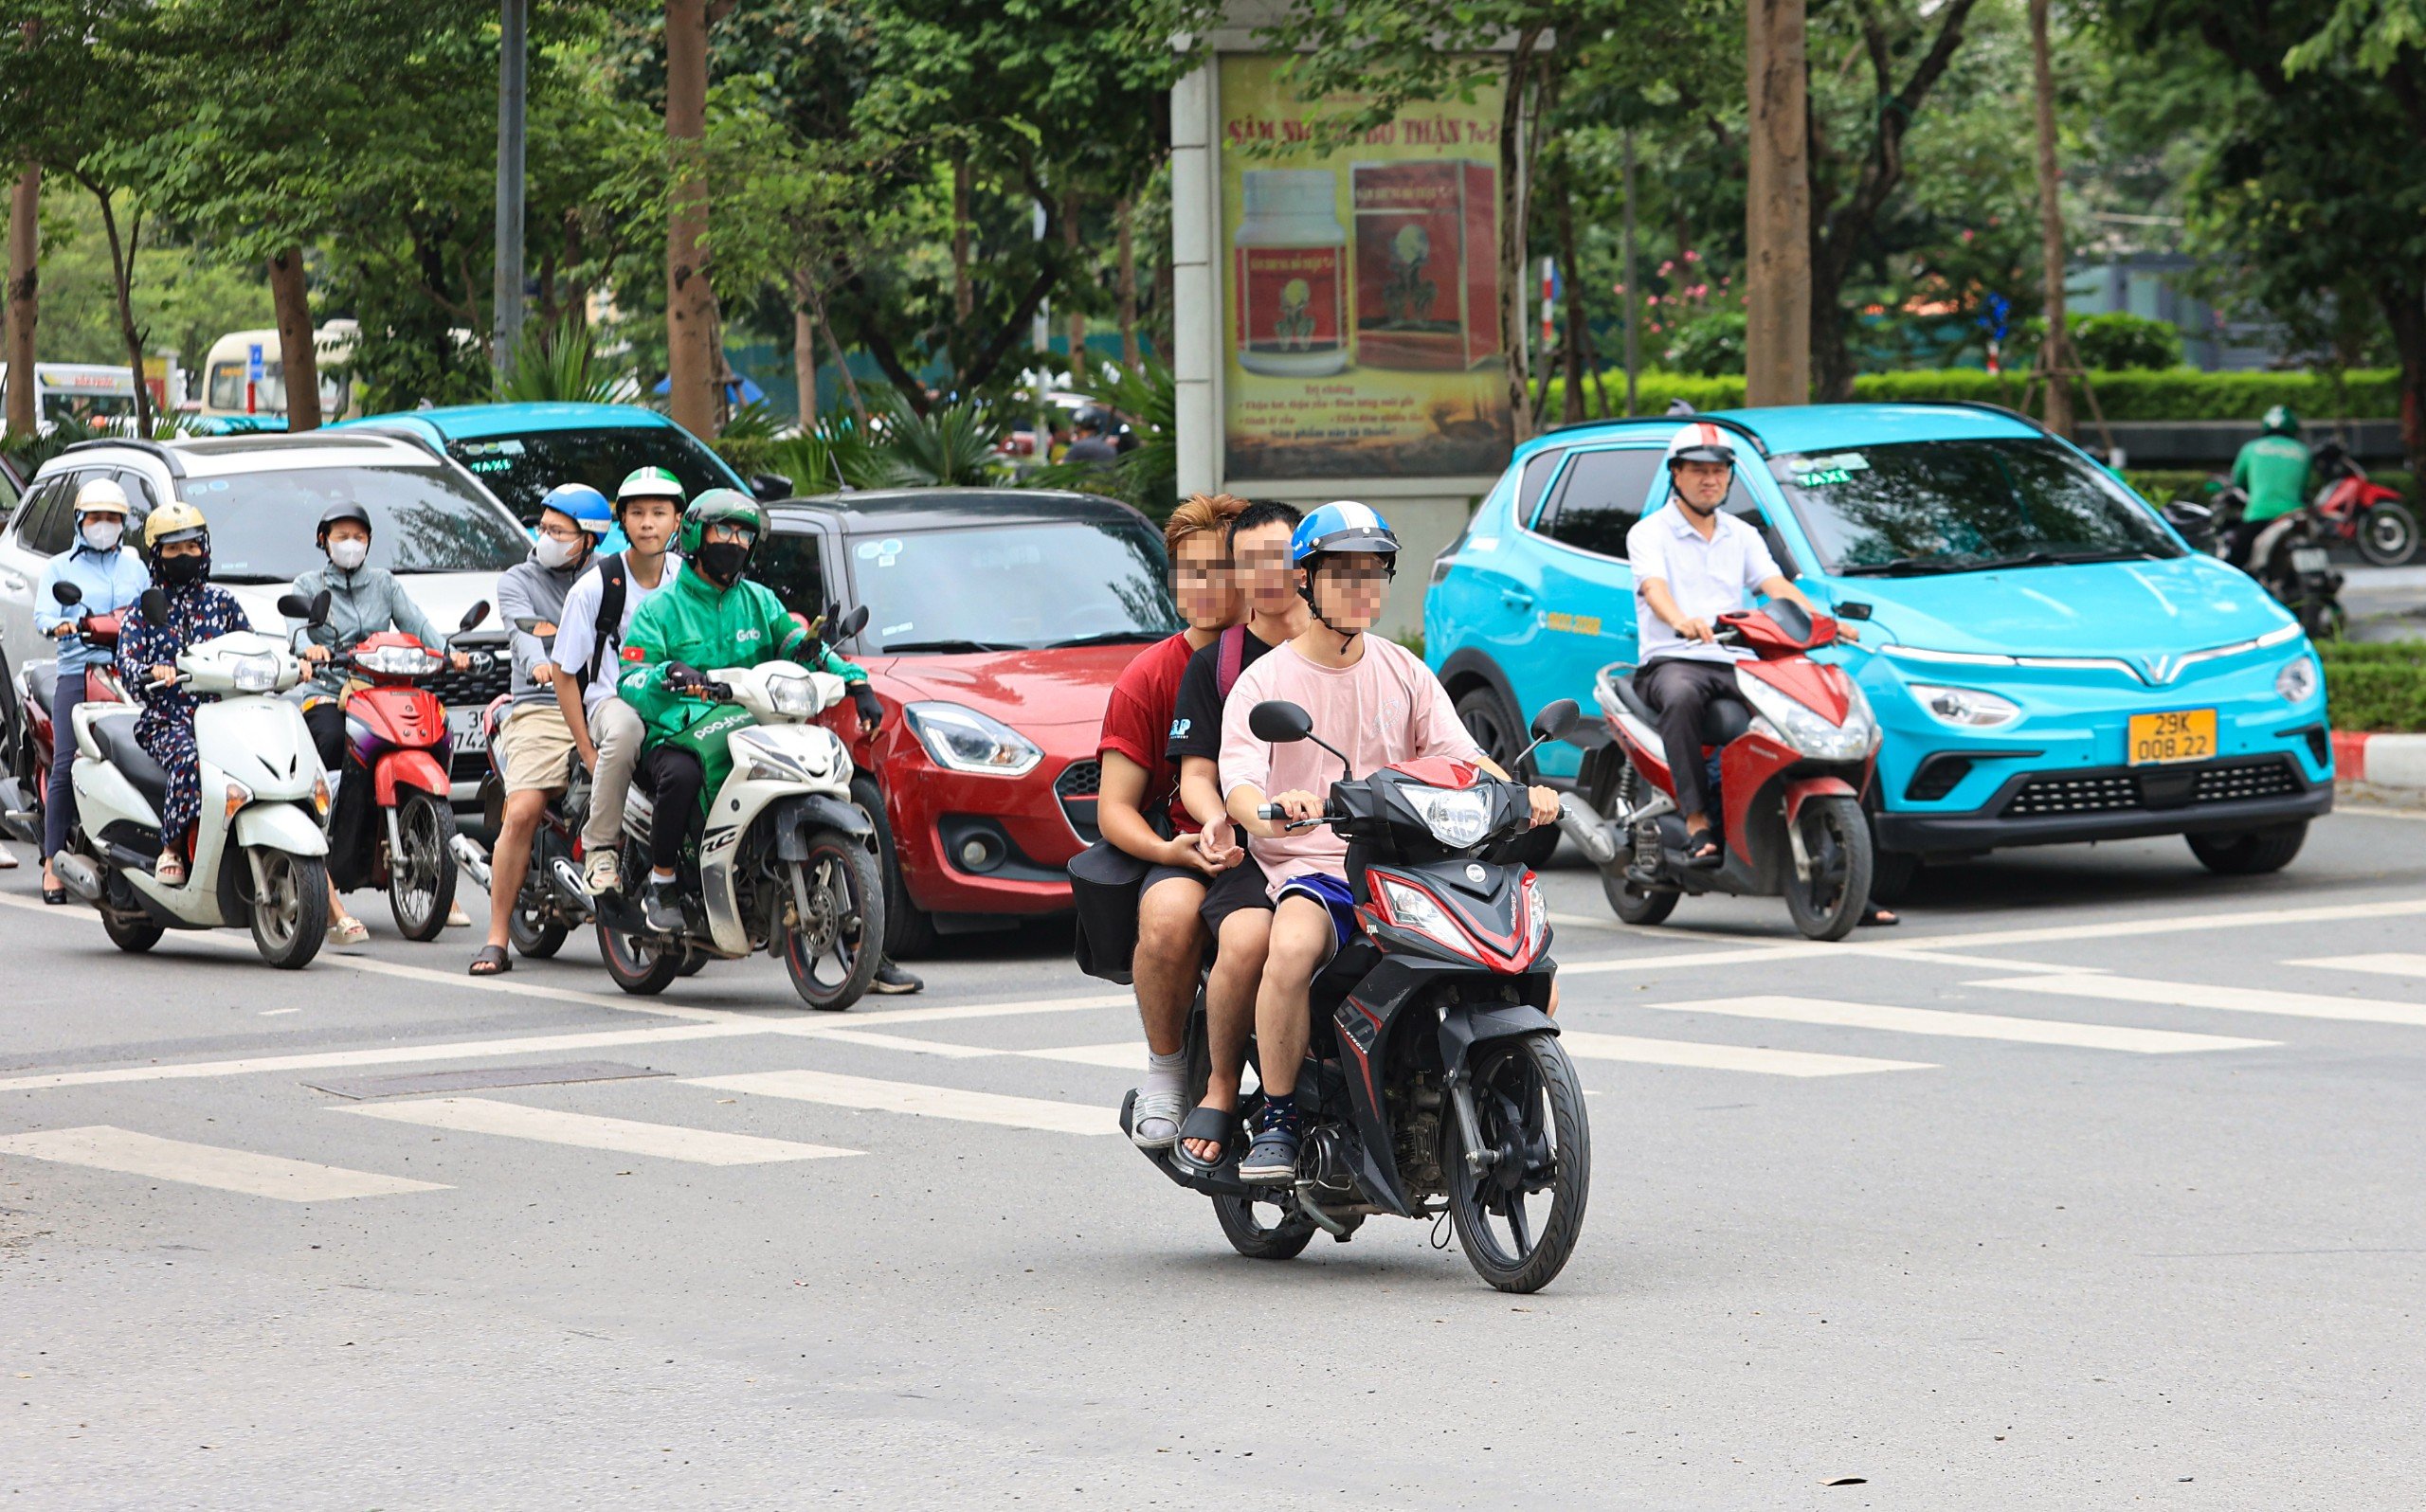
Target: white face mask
554	554
103	535
348	554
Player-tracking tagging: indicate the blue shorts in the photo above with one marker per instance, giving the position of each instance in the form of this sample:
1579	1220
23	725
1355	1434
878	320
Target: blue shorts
1332	893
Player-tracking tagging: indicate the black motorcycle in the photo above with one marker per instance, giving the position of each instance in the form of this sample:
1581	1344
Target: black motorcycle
1435	1082
2289	558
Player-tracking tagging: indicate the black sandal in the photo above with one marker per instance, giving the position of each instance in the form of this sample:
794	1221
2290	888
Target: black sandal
1220	1125
1877	916
1695	841
494	959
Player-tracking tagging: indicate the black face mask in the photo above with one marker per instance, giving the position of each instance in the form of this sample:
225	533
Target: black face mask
176	571
723	561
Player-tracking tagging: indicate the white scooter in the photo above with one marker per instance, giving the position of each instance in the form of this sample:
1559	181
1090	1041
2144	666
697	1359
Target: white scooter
787	861
259	851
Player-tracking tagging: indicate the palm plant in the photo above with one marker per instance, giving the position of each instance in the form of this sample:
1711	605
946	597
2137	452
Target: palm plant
558	365
950	446
1147	475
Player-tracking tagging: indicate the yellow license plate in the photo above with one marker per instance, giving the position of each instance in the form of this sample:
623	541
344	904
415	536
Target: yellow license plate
2185	735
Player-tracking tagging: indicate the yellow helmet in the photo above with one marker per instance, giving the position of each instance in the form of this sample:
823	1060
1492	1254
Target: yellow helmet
177	521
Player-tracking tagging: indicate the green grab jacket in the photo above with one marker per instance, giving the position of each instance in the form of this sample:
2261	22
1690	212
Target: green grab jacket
693	620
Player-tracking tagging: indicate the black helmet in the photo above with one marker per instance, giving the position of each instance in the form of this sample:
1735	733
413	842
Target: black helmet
337	513
1094	419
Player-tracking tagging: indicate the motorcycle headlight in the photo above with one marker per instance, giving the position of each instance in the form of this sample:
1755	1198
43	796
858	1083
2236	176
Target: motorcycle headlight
1966	707
397	661
2297	681
1412	911
967	741
761	761
254	674
1456	817
1537	916
793	698
1809	732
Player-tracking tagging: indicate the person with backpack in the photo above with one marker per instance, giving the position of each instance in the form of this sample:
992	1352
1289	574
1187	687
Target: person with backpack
1237	910
1139	811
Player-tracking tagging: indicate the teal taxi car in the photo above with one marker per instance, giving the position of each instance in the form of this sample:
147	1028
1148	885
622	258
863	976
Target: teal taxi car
2048	661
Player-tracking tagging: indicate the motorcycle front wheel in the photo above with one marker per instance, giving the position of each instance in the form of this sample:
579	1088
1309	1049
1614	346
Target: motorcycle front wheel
2387	535
421	873
833	934
1518	1219
1828	903
291	911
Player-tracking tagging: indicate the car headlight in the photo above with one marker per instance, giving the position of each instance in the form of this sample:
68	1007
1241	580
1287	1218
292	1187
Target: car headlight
967	741
1456	817
1412	911
254	674
2297	681
793	698
1807	730
761	761
1966	707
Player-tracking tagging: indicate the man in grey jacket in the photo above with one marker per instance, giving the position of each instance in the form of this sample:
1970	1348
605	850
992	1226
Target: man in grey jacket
534	745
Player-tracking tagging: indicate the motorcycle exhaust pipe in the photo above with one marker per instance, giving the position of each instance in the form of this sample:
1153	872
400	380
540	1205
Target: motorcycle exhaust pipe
470	859
570	886
77	875
1586	829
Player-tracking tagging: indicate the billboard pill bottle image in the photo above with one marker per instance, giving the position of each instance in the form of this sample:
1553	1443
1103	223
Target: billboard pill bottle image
1290	254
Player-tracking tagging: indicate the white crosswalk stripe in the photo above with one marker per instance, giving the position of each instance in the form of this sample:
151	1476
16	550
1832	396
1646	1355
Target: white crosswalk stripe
2207	995
1586	1045
671	1141
1955	1025
1121	1054
106	1147
917	1097
2382	964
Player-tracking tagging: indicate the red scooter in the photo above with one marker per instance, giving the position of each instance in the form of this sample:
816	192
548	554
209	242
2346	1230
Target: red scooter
396	756
2350	507
1794	758
25	787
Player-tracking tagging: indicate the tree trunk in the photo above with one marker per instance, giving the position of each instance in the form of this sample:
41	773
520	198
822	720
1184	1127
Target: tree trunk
2054	354
1124	231
297	357
1515	166
963	295
1077	317
1779	286
842	363
2405	317
1633	290
691	357
1573	307
804	353
24	304
122	284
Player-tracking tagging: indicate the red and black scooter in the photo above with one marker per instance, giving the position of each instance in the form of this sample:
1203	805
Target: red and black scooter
1794	758
25	787
1435	1081
2351	507
394	822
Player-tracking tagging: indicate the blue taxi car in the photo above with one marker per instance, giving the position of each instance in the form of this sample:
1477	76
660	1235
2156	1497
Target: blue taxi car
2048	661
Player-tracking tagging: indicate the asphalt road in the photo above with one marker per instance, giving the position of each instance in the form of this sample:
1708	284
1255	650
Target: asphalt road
2095	1184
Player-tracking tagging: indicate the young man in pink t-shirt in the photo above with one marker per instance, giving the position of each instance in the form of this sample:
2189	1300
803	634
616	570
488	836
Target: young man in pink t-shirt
1380	706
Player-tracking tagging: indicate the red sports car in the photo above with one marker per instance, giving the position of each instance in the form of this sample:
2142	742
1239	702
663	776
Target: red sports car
996	621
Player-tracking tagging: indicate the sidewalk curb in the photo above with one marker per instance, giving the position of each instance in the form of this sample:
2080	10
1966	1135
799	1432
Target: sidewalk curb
2395	761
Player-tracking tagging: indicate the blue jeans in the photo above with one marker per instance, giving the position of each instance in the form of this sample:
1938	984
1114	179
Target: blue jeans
58	802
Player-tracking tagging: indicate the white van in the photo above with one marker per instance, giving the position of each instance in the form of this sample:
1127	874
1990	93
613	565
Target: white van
231	392
92	393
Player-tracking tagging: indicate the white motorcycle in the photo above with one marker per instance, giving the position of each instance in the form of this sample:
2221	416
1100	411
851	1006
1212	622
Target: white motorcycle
785	862
259	850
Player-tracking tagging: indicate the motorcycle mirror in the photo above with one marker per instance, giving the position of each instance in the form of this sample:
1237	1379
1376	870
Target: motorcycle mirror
1555	721
67	593
155	606
1853	610
320	615
474	616
293	605
1280	721
838	630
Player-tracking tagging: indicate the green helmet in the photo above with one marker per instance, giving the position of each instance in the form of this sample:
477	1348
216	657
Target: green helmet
647	482
2279	420
721	506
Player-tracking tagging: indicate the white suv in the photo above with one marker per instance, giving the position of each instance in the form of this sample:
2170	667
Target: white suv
431	525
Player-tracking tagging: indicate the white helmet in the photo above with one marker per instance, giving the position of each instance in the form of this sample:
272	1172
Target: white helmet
100	496
1700	442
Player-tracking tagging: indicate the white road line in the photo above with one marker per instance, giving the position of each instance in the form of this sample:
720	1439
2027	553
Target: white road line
107	1148
876	1041
2383	963
948	1013
1121	1054
482	1115
1586	1045
2235	999
912	1097
1961	1025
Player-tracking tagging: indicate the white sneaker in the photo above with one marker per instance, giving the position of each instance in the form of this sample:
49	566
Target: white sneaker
603	873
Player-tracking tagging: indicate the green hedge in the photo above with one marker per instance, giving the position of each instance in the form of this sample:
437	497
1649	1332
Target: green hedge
2376	685
2178	393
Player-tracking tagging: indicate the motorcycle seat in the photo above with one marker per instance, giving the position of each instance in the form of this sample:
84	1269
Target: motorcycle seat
42	684
116	736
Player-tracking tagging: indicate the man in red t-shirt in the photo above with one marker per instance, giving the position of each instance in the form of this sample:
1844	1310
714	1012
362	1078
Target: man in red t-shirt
1137	808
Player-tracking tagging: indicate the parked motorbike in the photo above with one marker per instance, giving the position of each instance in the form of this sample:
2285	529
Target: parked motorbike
785	861
397	750
1435	1081
1794	758
259	858
25	787
2351	507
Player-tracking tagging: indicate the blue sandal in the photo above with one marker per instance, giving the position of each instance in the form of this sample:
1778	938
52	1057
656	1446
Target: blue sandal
1271	1160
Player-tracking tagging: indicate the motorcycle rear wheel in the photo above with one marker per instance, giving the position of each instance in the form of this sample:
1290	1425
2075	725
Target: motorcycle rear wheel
536	930
1831	902
421	878
1632	903
1531	1108
1284	1239
130	934
832	956
639	968
2387	535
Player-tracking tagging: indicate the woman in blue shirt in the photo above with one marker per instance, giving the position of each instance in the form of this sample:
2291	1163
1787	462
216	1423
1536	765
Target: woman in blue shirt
112	577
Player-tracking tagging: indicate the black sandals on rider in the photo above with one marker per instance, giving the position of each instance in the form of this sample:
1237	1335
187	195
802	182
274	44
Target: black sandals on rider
1219	1124
494	959
1695	842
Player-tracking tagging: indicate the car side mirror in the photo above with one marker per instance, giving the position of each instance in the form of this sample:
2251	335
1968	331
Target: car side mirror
1853	610
155	607
67	593
769	487
1555	721
1280	722
473	616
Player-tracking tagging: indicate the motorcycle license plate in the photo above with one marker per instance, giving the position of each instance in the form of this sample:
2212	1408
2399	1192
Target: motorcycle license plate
465	724
2309	559
2185	735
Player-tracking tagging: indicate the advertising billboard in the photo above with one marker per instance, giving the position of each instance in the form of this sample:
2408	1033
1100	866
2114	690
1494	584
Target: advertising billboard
1360	284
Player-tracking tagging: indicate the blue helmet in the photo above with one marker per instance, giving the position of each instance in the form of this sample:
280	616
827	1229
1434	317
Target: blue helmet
1343	525
583	503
